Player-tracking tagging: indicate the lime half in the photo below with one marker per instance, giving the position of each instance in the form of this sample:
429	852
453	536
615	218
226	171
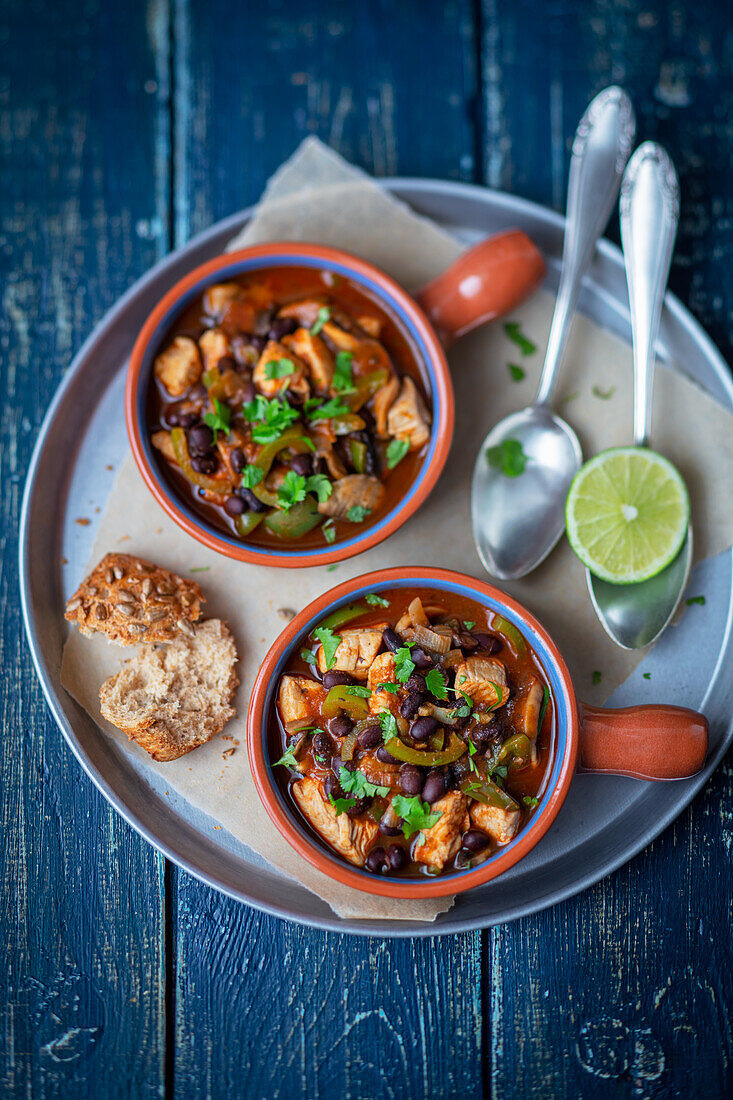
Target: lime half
627	514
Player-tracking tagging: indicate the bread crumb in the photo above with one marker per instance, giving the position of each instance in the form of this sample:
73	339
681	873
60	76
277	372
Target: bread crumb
83	521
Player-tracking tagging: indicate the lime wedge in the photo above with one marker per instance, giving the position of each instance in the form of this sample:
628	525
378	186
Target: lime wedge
627	514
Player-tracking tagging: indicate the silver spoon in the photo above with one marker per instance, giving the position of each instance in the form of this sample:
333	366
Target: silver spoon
635	614
517	520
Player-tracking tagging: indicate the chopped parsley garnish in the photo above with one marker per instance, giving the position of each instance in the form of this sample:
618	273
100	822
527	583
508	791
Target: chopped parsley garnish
288	759
544	706
597	676
415	814
331	568
320	486
647	675
292	491
469	625
252	475
342	805
513	329
357	783
329	530
603	394
343	379
279	368
695	599
529	800
270	418
328	410
376	601
308	656
569	397
330	643
387	686
508	456
308	442
324	314
435	683
357	689
220	419
472	750
388	723
396	451
357	513
199	569
518	373
500	770
403	663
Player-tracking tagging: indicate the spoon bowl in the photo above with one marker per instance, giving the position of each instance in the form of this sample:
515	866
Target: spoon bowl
508	512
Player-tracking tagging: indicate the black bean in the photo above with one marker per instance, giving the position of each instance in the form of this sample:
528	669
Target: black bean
420	658
457	772
474	840
258	342
171	417
332	787
282	326
483	734
410	705
322	744
370	737
410	780
227	362
248	393
200	439
488	642
337	764
254	502
396	857
234	506
198	392
385	757
434	787
302	464
422	728
462	860
187	419
391	639
386	827
376	861
333	678
339	726
359	807
416	683
238	460
204	464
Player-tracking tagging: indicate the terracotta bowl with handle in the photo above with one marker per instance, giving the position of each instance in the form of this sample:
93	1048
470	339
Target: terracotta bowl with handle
652	743
486	282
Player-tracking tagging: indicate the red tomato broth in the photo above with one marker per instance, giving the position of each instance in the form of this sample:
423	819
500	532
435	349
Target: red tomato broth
285	285
529	781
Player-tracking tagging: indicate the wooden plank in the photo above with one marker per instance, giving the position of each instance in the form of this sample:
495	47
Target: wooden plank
263	1007
82	149
626	989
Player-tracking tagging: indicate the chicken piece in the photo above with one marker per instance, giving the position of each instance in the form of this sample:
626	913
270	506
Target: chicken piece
356	650
296	382
299	698
219	296
214	345
383	399
443	840
372	326
335	466
527	709
382	671
383	775
502	825
354	490
162	442
305	310
408	418
179	366
483	679
343	340
314	353
350	837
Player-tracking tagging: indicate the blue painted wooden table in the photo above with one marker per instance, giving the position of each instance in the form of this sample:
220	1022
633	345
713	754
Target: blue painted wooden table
124	129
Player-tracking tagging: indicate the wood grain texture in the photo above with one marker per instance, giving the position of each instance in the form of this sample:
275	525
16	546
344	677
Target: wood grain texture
82	910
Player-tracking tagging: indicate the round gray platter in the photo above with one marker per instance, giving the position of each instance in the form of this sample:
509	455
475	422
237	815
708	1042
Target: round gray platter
605	820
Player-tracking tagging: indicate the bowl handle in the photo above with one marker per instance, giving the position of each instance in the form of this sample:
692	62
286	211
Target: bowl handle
645	742
488	281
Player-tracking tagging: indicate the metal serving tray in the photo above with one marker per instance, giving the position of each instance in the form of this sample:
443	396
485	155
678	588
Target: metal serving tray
605	820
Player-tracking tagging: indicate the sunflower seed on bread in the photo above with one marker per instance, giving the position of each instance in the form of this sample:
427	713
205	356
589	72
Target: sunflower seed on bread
133	601
173	698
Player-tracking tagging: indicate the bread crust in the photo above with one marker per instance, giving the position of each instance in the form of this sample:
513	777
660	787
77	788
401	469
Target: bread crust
133	601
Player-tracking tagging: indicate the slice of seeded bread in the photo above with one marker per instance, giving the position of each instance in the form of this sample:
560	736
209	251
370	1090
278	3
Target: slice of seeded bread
174	698
133	601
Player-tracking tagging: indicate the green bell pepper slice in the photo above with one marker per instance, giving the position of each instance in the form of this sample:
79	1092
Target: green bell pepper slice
245	525
220	486
301	518
340	698
344	615
517	747
453	750
358	455
484	790
511	633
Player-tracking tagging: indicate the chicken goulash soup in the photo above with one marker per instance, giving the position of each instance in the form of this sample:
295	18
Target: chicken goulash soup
417	738
288	408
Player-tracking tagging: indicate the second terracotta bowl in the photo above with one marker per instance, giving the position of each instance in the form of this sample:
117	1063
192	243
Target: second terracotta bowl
644	742
486	282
